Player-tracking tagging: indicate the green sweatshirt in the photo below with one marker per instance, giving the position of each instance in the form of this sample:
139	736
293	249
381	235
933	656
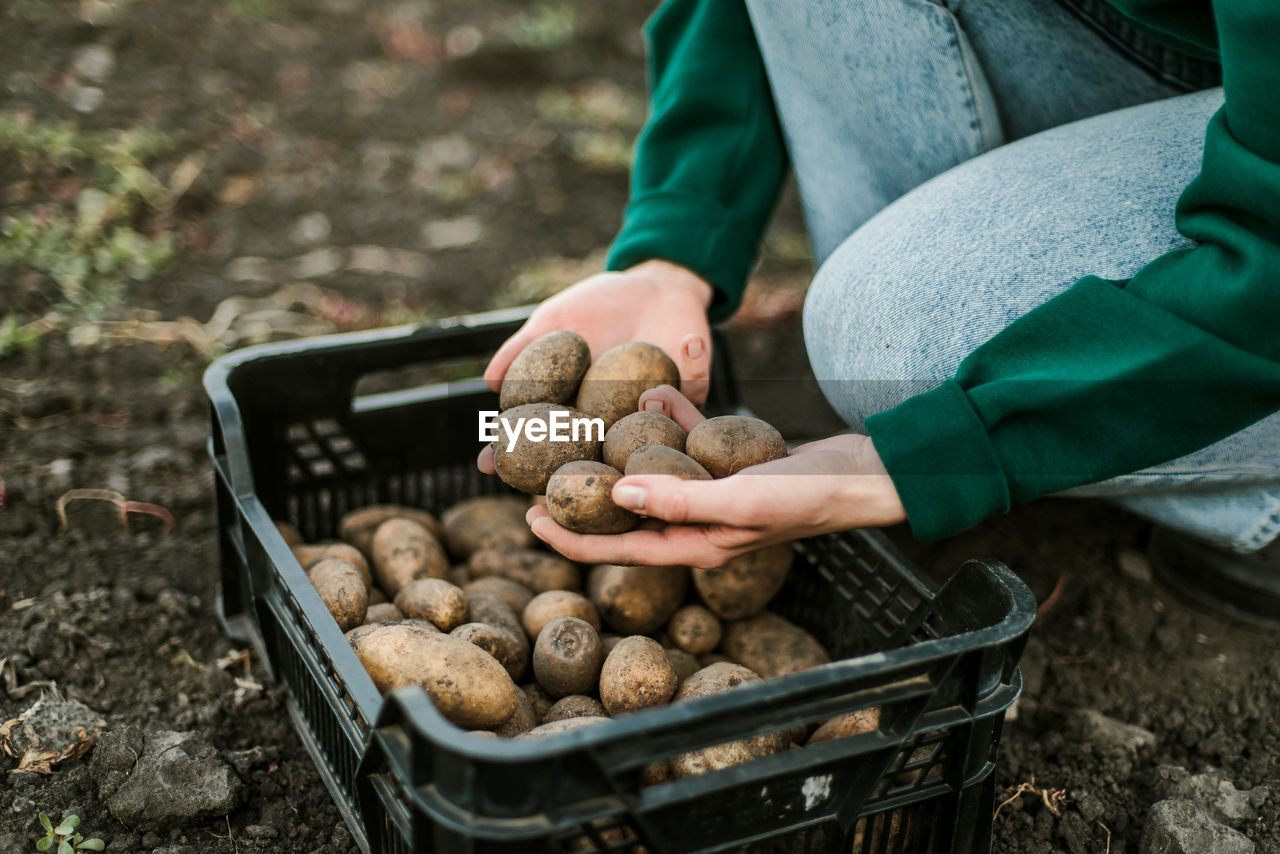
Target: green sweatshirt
1107	378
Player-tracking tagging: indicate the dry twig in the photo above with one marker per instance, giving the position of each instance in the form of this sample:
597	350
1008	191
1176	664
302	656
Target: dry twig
1054	595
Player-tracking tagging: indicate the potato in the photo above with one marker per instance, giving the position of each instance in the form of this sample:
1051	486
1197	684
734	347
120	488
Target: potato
637	430
545	607
521	721
515	595
526	464
467	685
487	608
579	496
659	459
377	597
567	657
358	526
608	641
309	554
404	551
684	664
844	726
536	570
434	600
289	533
637	600
381	613
357	635
341	589
772	645
491	522
511	651
710	658
743	586
574	706
729	443
538	698
717	679
658	771
557	727
636	675
694	629
612	386
546	371
458	576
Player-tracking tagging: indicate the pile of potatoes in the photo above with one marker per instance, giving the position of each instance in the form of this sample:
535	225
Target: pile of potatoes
577	476
514	641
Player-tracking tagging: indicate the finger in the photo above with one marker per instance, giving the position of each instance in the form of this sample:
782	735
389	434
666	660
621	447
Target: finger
665	400
497	367
695	368
484	461
682	502
670	545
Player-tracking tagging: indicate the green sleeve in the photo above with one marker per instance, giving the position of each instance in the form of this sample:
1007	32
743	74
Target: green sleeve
1114	376
710	159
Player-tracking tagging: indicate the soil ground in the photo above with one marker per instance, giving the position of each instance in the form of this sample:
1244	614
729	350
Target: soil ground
364	163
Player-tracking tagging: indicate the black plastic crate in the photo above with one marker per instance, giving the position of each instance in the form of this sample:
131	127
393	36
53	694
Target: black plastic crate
292	440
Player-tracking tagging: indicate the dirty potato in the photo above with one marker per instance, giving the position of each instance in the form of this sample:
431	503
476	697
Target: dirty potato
527	460
490	522
659	459
684	664
405	551
545	607
289	533
729	443
574	706
309	554
467	685
772	645
511	651
694	629
612	386
358	526
546	371
717	679
342	590
743	586
515	595
434	600
636	675
637	430
580	498
381	613
844	726
537	570
521	721
567	657
637	600
557	727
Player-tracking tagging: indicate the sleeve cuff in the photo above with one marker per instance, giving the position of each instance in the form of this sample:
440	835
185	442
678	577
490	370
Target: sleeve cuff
941	460
699	234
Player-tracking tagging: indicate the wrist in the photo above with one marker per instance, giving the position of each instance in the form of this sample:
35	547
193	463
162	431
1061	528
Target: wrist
669	276
876	496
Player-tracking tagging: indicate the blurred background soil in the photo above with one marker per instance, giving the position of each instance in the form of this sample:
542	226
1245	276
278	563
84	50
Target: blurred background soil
181	179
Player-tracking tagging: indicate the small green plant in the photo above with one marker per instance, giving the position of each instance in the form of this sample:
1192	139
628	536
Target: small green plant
65	837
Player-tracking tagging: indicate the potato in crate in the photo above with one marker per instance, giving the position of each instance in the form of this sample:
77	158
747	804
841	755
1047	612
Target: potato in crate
876	732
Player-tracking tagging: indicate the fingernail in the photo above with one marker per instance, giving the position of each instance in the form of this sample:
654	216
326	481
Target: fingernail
694	349
656	404
537	533
628	496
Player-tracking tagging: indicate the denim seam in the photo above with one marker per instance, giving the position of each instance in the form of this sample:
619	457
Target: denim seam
969	84
1266	532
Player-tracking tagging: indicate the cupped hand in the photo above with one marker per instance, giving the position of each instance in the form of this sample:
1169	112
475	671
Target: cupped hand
824	486
657	302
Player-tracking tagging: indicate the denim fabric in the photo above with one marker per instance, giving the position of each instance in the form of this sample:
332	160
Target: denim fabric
929	246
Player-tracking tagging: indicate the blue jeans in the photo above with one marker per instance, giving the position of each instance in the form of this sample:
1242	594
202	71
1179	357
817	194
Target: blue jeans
960	163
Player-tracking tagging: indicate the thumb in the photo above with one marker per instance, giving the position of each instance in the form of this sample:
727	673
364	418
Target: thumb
679	501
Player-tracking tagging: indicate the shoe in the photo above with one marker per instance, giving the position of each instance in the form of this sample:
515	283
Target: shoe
1243	586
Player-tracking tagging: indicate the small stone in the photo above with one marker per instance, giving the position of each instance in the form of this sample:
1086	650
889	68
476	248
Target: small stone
453	233
1134	566
1181	827
86	99
94	62
261	831
1110	735
311	228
